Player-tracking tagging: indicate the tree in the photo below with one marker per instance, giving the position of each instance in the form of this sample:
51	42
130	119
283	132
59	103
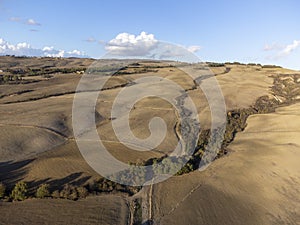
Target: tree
43	191
2	190
19	193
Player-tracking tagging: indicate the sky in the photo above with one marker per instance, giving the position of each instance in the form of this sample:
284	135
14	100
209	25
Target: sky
259	31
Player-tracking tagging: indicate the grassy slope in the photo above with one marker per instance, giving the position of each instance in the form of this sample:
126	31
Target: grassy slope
233	191
257	183
102	210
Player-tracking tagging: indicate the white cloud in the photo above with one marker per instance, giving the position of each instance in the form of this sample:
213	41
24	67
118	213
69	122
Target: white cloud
125	44
272	47
47	49
281	51
28	21
90	40
15	19
32	22
144	45
194	48
290	48
25	49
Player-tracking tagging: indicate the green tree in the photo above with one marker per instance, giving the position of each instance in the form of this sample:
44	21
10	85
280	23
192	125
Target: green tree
43	191
19	193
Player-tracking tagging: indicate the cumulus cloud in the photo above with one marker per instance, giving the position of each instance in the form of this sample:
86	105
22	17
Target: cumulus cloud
32	22
25	49
145	45
125	44
194	48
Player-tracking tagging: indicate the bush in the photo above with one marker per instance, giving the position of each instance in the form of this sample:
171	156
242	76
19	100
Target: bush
212	64
43	191
19	193
270	66
55	194
82	192
69	192
2	190
74	195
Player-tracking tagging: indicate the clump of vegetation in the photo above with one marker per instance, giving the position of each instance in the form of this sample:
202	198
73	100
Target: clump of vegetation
10	79
135	70
213	64
270	66
254	64
234	63
171	165
82	192
43	71
69	192
43	191
104	185
55	194
19	193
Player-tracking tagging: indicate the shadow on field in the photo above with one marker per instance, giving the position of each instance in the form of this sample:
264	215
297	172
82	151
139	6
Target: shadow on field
75	179
11	172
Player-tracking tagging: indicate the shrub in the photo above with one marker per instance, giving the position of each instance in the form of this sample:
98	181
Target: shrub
69	192
19	193
270	66
82	192
74	195
43	191
2	190
92	186
66	191
212	64
55	194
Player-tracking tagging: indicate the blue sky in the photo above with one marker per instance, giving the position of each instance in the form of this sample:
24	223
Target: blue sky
247	31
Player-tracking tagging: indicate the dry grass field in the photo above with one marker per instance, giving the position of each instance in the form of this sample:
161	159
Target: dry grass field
257	182
108	210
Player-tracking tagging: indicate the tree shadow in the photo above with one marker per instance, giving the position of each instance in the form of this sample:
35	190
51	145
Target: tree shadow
148	222
75	179
13	171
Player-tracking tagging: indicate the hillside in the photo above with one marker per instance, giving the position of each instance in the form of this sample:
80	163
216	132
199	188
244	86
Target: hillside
254	180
